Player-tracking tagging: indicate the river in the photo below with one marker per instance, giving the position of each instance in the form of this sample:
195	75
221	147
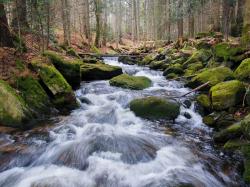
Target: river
103	144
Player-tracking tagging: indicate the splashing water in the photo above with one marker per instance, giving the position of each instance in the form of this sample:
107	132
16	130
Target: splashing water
104	144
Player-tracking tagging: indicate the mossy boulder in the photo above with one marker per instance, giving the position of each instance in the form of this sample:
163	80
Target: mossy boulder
201	55
127	60
131	82
155	108
172	76
246	152
193	68
158	65
213	76
13	110
226	51
33	94
99	71
243	71
204	101
219	119
147	59
70	69
245	39
175	68
232	132
245	125
55	85
227	94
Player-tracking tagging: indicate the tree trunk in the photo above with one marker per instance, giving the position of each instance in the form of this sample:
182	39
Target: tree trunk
239	17
98	22
5	35
226	19
19	21
180	20
66	22
246	26
191	25
86	20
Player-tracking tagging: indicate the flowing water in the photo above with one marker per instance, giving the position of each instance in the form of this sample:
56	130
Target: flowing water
104	144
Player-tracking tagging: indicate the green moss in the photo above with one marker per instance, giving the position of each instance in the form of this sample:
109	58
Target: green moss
33	94
99	71
56	84
157	65
234	144
70	69
19	65
243	71
174	68
204	101
193	68
13	110
155	108
226	51
94	49
245	125
227	94
71	51
201	55
171	76
245	39
147	59
209	120
131	82
246	153
214	76
231	132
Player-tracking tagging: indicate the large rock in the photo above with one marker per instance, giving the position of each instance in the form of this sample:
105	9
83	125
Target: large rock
34	95
70	69
158	65
227	94
131	82
13	110
176	69
56	86
231	132
245	125
201	55
99	71
214	76
155	108
243	71
204	101
226	51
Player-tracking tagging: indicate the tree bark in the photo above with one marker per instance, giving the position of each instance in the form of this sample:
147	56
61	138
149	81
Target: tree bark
98	22
66	22
19	21
5	35
86	21
246	26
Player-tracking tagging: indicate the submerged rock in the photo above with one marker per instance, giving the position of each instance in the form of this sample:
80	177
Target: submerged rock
227	94
13	110
56	86
131	82
214	76
243	71
155	108
70	69
99	71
